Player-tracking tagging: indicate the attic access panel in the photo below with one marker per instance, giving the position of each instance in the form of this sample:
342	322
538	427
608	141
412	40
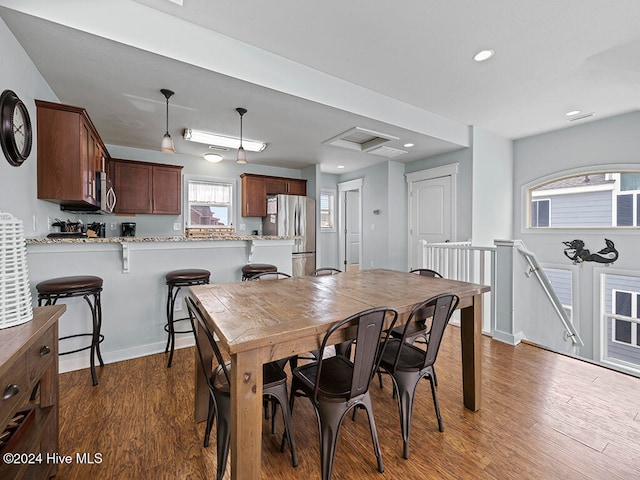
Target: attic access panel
360	139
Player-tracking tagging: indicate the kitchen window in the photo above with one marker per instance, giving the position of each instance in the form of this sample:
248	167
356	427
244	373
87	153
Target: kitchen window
327	210
210	203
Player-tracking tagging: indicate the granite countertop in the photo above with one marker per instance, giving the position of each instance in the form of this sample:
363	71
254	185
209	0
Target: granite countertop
45	240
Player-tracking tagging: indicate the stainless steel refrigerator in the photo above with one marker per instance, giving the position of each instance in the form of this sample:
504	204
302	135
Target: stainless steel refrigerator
294	215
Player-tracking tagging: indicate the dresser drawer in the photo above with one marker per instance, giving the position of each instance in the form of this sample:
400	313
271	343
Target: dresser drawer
41	354
15	387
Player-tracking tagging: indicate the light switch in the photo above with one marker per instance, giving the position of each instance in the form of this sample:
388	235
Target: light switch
373	227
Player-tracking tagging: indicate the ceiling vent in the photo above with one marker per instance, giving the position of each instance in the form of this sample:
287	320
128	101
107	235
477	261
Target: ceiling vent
360	139
581	117
387	152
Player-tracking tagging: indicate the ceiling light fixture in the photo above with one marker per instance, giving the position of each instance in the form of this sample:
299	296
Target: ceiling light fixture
340	166
212	157
242	155
572	112
213	139
408	145
167	141
483	55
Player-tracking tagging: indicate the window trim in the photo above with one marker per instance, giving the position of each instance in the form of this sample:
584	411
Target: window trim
526	198
635	340
208	179
333	193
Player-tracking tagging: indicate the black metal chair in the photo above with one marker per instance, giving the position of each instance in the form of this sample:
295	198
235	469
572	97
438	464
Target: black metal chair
269	276
408	364
274	386
337	384
320	272
418	330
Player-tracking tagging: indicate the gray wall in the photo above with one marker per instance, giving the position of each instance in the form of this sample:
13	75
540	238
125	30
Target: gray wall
464	158
604	144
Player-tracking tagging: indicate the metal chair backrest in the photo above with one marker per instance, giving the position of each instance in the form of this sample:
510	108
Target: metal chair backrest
442	306
319	272
427	272
368	346
269	276
195	312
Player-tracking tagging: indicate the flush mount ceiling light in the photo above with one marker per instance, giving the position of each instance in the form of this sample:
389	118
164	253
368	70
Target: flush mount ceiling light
242	155
212	157
222	142
483	55
572	113
408	145
167	141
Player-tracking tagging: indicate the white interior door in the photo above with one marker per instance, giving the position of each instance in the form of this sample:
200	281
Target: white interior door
350	222
352	232
431	215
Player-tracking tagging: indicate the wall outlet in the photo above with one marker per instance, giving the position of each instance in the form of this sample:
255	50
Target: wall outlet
177	226
114	226
373	227
35	223
372	263
243	227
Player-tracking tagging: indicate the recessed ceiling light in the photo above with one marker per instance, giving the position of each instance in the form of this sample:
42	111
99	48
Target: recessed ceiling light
340	166
212	157
408	145
483	55
572	112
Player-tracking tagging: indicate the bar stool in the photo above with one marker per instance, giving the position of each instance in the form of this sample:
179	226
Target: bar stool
83	286
177	279
251	269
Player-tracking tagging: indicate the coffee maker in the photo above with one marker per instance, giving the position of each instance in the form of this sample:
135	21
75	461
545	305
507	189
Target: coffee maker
128	229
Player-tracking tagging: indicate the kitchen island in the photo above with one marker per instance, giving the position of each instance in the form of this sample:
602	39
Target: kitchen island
134	294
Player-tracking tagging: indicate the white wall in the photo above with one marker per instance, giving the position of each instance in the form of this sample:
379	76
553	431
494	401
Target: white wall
602	144
464	158
492	205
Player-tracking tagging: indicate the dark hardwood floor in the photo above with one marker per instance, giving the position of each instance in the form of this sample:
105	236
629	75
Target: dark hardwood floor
545	416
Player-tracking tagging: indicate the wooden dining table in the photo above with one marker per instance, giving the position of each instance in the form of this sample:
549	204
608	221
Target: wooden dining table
261	321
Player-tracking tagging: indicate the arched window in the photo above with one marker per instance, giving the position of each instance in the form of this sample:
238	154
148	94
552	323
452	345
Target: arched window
601	199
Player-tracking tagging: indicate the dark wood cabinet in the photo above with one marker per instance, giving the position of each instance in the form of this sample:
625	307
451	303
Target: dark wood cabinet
70	153
255	189
254	196
29	358
143	187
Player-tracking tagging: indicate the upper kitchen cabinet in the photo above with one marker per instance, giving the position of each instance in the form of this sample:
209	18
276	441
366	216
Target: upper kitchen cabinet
255	189
143	187
70	153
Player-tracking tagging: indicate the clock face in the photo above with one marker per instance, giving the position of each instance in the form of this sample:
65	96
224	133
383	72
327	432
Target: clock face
15	128
18	129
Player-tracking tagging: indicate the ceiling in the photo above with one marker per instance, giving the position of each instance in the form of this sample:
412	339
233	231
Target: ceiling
308	71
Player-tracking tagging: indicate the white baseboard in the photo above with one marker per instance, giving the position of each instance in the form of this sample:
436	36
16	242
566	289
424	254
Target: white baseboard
508	338
81	360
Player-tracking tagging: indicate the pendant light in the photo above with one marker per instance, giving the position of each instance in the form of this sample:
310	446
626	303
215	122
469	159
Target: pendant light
242	155
167	141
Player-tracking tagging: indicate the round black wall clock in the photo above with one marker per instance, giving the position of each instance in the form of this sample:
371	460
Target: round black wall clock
15	128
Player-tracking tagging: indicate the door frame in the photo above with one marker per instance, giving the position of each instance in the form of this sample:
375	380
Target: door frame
344	187
450	170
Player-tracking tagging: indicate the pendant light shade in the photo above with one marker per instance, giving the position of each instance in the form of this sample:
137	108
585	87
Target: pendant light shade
167	141
242	155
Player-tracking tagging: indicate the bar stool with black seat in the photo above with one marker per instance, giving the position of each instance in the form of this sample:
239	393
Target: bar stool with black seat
85	286
251	269
177	279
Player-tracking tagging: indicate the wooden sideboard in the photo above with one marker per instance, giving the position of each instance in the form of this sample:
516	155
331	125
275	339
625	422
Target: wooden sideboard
29	358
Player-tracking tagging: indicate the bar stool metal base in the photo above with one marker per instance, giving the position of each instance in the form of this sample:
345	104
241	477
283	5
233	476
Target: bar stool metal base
175	281
50	291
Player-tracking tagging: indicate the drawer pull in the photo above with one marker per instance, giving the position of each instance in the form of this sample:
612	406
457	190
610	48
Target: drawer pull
45	350
10	391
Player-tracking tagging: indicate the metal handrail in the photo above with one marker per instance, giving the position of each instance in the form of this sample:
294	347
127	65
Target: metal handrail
534	268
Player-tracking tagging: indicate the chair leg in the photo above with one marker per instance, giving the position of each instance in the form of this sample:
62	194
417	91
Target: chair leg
210	417
435	402
95	335
223	434
279	395
329	420
405	385
366	403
